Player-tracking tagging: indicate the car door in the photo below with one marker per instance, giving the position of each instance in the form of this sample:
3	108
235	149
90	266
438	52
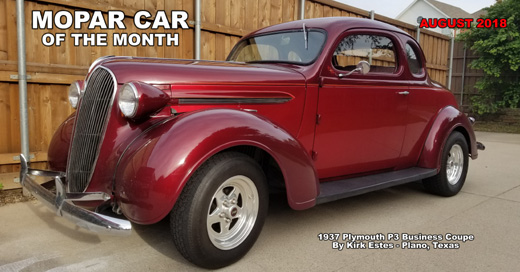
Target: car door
424	103
361	118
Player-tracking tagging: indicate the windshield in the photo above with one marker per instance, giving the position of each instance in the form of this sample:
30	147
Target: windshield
280	47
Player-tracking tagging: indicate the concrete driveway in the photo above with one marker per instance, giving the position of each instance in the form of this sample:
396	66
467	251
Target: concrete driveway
33	239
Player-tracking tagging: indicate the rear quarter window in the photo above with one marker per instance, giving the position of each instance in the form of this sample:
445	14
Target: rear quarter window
414	62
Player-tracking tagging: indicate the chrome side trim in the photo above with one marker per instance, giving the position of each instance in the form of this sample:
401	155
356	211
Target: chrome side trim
259	100
62	205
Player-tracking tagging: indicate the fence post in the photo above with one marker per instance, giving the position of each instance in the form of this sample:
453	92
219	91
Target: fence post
302	9
418	35
197	30
22	80
451	60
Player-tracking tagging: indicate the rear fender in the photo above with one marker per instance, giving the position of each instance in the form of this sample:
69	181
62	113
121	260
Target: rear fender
156	166
448	120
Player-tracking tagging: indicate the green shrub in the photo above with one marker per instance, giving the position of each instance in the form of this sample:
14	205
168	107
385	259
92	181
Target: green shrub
499	57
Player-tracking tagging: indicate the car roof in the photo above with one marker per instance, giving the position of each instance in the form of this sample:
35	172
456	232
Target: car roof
333	25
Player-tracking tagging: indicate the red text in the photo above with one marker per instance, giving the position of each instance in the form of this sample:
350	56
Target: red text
446	22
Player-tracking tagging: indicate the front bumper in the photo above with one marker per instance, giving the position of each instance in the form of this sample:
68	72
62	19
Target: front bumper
61	202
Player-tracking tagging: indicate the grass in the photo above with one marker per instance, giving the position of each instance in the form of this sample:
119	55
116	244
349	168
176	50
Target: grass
13	196
496	127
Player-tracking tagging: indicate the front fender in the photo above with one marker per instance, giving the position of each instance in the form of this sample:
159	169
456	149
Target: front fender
448	120
156	166
58	151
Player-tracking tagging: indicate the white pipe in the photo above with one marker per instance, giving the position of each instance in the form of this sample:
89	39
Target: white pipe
418	35
372	14
451	60
197	30
302	9
22	78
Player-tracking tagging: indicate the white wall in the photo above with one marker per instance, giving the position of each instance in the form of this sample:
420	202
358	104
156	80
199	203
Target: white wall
420	8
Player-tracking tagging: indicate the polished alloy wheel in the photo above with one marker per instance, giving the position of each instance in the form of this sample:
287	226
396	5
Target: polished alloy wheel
232	212
454	167
221	210
454	164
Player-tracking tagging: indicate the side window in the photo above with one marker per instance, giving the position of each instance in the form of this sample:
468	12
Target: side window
413	61
376	50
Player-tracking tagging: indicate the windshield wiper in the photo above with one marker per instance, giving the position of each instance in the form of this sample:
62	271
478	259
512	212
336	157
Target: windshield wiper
305	37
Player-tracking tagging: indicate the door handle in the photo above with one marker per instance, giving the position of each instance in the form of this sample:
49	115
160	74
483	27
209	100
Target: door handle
404	93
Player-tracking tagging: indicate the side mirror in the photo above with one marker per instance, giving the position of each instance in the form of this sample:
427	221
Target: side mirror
362	67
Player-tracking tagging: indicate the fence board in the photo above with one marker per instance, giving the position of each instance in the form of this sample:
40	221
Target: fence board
14	145
207	50
276	12
5	118
208	10
289	7
237	9
264	13
12	54
223	12
3	30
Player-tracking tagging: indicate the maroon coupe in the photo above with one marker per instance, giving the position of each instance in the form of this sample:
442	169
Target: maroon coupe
323	109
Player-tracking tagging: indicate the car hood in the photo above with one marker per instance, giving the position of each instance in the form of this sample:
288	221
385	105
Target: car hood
176	71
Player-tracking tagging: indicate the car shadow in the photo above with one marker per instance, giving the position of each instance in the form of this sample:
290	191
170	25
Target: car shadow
63	226
159	237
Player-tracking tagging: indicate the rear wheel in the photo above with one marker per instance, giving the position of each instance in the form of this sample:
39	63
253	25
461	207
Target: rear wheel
454	167
221	211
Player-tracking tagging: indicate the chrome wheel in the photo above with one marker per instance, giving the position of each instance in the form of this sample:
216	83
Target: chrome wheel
454	164
221	210
454	167
232	212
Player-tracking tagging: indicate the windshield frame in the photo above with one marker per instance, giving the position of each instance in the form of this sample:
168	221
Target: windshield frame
308	30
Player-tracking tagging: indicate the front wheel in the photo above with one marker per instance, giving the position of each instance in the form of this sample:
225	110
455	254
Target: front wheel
221	211
454	167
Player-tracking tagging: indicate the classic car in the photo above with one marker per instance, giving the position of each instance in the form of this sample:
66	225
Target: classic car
322	108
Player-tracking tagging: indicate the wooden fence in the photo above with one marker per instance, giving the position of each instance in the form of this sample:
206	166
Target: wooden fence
53	68
463	77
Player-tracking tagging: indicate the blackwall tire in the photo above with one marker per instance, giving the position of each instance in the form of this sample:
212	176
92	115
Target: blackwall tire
221	211
454	167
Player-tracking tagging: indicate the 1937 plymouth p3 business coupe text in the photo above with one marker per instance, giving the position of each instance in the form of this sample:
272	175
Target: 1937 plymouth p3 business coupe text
321	108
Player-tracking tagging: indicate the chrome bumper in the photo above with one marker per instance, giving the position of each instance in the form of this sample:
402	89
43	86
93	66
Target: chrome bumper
480	146
61	202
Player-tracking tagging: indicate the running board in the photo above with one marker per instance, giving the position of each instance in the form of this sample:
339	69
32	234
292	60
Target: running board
334	190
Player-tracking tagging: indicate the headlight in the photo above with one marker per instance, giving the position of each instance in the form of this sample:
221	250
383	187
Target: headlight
138	100
128	100
75	90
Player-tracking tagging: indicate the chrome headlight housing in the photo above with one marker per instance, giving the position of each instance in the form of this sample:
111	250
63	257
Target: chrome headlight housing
128	100
75	90
138	100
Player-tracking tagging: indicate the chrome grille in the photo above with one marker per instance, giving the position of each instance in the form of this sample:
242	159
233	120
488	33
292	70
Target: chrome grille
91	119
